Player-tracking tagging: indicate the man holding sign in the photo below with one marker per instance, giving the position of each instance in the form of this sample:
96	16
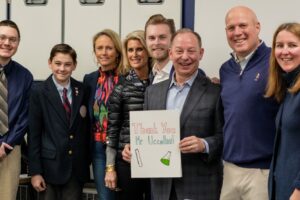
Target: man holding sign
201	142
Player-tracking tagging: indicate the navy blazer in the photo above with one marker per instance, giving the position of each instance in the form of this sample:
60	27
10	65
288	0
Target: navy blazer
284	174
90	81
58	149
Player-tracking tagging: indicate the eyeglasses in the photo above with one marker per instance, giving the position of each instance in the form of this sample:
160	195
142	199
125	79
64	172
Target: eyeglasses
11	40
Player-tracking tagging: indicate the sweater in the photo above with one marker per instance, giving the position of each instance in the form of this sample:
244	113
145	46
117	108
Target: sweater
19	81
249	128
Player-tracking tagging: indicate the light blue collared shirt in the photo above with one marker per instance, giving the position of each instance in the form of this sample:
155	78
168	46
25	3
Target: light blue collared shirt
177	95
60	90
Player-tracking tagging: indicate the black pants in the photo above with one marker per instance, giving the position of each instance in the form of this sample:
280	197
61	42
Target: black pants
72	190
131	188
173	195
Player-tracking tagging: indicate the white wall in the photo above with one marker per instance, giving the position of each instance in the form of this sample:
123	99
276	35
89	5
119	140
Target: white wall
2	10
40	28
210	23
135	15
82	22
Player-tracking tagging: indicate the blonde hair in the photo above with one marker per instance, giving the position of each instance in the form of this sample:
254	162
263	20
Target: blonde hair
276	86
135	35
117	43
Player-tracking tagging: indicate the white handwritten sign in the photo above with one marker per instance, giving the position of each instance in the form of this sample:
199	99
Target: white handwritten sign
154	140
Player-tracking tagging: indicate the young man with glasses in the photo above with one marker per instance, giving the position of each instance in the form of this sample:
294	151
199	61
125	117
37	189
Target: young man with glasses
15	83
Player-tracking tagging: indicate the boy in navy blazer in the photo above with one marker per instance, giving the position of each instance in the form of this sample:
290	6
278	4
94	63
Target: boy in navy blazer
59	135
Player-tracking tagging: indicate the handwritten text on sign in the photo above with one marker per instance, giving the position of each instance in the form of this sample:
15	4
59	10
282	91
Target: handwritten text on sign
157	134
154	137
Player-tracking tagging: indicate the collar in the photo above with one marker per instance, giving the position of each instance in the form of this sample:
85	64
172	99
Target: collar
247	58
291	77
166	69
60	87
109	72
188	82
7	68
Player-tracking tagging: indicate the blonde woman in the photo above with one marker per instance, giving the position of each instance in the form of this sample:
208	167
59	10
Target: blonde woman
126	97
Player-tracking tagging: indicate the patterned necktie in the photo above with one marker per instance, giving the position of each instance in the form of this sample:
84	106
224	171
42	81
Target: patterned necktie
3	103
66	104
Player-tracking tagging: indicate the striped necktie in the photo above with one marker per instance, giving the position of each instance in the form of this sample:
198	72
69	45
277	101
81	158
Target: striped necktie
66	104
3	103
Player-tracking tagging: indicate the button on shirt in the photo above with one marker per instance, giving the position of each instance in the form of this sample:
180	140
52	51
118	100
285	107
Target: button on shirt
60	90
177	95
163	74
243	61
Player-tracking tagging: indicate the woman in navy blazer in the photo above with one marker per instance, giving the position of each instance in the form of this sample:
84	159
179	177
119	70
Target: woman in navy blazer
284	85
108	52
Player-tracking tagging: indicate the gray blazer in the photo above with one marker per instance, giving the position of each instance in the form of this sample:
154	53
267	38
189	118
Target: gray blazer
201	116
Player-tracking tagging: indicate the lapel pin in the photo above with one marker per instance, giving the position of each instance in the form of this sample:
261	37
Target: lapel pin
76	91
257	77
